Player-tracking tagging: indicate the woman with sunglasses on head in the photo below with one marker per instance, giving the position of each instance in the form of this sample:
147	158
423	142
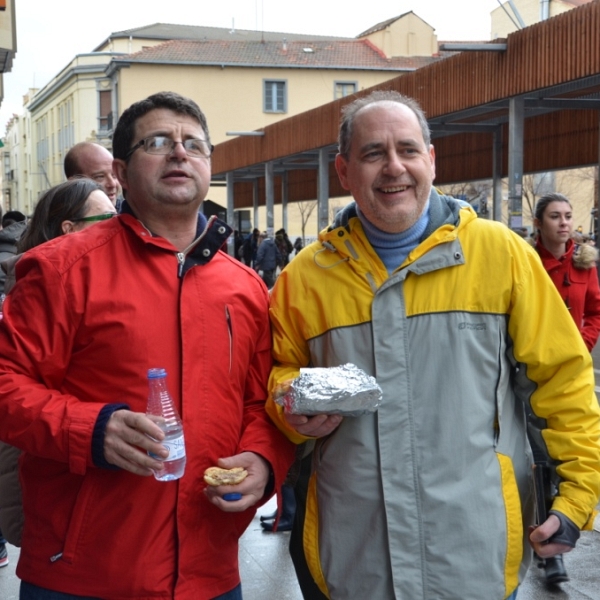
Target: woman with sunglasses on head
571	266
66	208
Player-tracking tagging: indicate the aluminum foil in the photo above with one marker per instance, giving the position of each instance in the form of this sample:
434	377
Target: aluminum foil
345	390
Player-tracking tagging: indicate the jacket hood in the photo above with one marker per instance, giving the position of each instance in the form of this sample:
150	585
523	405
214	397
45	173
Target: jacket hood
585	257
442	210
12	233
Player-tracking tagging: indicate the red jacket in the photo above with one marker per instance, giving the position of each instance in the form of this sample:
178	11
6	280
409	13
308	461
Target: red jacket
576	280
90	313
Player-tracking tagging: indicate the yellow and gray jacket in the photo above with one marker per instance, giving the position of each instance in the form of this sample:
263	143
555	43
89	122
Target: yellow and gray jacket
431	496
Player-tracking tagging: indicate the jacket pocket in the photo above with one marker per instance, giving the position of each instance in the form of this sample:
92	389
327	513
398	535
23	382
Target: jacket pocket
78	519
229	323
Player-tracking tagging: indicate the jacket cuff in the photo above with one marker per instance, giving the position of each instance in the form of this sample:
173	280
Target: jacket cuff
99	433
568	532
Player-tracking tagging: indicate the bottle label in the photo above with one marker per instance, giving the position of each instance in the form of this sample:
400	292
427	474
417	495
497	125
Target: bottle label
176	448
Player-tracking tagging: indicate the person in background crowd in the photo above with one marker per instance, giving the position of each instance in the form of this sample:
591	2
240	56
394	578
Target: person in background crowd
298	245
571	264
14	223
89	315
238	241
268	259
93	161
250	247
284	246
68	207
430	496
65	208
572	267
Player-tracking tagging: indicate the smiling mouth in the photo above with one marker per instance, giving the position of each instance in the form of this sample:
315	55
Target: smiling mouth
395	189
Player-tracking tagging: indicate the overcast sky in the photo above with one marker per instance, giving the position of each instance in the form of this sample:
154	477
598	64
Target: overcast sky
50	34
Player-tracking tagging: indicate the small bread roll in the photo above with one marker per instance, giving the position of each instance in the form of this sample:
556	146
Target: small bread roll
217	476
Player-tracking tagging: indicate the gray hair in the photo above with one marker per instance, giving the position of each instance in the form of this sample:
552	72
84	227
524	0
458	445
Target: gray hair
350	110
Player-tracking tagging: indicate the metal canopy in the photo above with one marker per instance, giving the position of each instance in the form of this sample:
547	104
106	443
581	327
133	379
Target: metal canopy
553	67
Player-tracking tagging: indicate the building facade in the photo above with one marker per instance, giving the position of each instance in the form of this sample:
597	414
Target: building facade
243	81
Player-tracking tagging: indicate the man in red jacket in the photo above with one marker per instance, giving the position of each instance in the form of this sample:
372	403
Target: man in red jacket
89	315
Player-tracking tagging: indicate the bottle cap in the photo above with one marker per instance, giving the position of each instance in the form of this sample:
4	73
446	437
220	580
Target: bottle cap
156	373
232	496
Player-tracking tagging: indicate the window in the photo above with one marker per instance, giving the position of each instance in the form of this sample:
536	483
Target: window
343	89
275	97
66	136
105	116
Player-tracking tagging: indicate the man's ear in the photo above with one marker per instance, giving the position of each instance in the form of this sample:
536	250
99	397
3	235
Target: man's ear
120	171
67	227
432	159
341	166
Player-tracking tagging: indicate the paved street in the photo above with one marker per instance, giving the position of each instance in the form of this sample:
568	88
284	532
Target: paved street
268	574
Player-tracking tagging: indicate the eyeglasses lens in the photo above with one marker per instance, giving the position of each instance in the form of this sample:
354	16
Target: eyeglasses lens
165	145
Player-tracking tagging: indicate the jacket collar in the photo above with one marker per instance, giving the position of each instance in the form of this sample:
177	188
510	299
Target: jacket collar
211	236
548	258
443	210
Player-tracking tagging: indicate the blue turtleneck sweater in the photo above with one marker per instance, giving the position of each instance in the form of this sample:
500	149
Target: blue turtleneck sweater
393	248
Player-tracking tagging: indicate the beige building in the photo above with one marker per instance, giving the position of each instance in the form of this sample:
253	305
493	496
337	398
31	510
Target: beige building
17	162
8	39
243	80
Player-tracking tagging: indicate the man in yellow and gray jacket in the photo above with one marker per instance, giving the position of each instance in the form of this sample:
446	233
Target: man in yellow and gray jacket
432	495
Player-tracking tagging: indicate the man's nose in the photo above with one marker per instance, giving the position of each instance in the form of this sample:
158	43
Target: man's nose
178	151
394	164
112	180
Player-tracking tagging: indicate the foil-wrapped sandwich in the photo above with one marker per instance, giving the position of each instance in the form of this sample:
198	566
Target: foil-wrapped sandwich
345	390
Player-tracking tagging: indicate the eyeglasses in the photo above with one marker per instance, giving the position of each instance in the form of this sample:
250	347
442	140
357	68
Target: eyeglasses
92	219
161	144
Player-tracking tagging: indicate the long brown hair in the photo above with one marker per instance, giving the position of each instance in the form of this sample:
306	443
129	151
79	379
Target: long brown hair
64	202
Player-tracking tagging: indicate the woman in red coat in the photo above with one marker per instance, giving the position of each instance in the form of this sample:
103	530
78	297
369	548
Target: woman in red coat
572	267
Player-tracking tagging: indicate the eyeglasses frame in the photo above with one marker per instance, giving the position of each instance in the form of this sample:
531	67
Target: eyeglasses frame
142	144
93	218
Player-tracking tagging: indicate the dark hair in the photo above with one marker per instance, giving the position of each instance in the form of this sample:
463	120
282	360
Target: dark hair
12	216
63	202
542	204
125	129
349	113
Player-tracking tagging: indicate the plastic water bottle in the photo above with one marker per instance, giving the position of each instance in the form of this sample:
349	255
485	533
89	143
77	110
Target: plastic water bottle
162	411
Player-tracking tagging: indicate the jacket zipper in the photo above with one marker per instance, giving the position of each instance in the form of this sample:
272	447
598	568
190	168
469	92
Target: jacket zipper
182	255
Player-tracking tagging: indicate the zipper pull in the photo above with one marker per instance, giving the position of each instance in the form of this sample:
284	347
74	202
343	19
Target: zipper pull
180	261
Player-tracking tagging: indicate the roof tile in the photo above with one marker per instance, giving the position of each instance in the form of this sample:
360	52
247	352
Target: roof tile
317	54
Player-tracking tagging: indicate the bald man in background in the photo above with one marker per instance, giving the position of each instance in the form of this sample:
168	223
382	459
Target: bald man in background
93	161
